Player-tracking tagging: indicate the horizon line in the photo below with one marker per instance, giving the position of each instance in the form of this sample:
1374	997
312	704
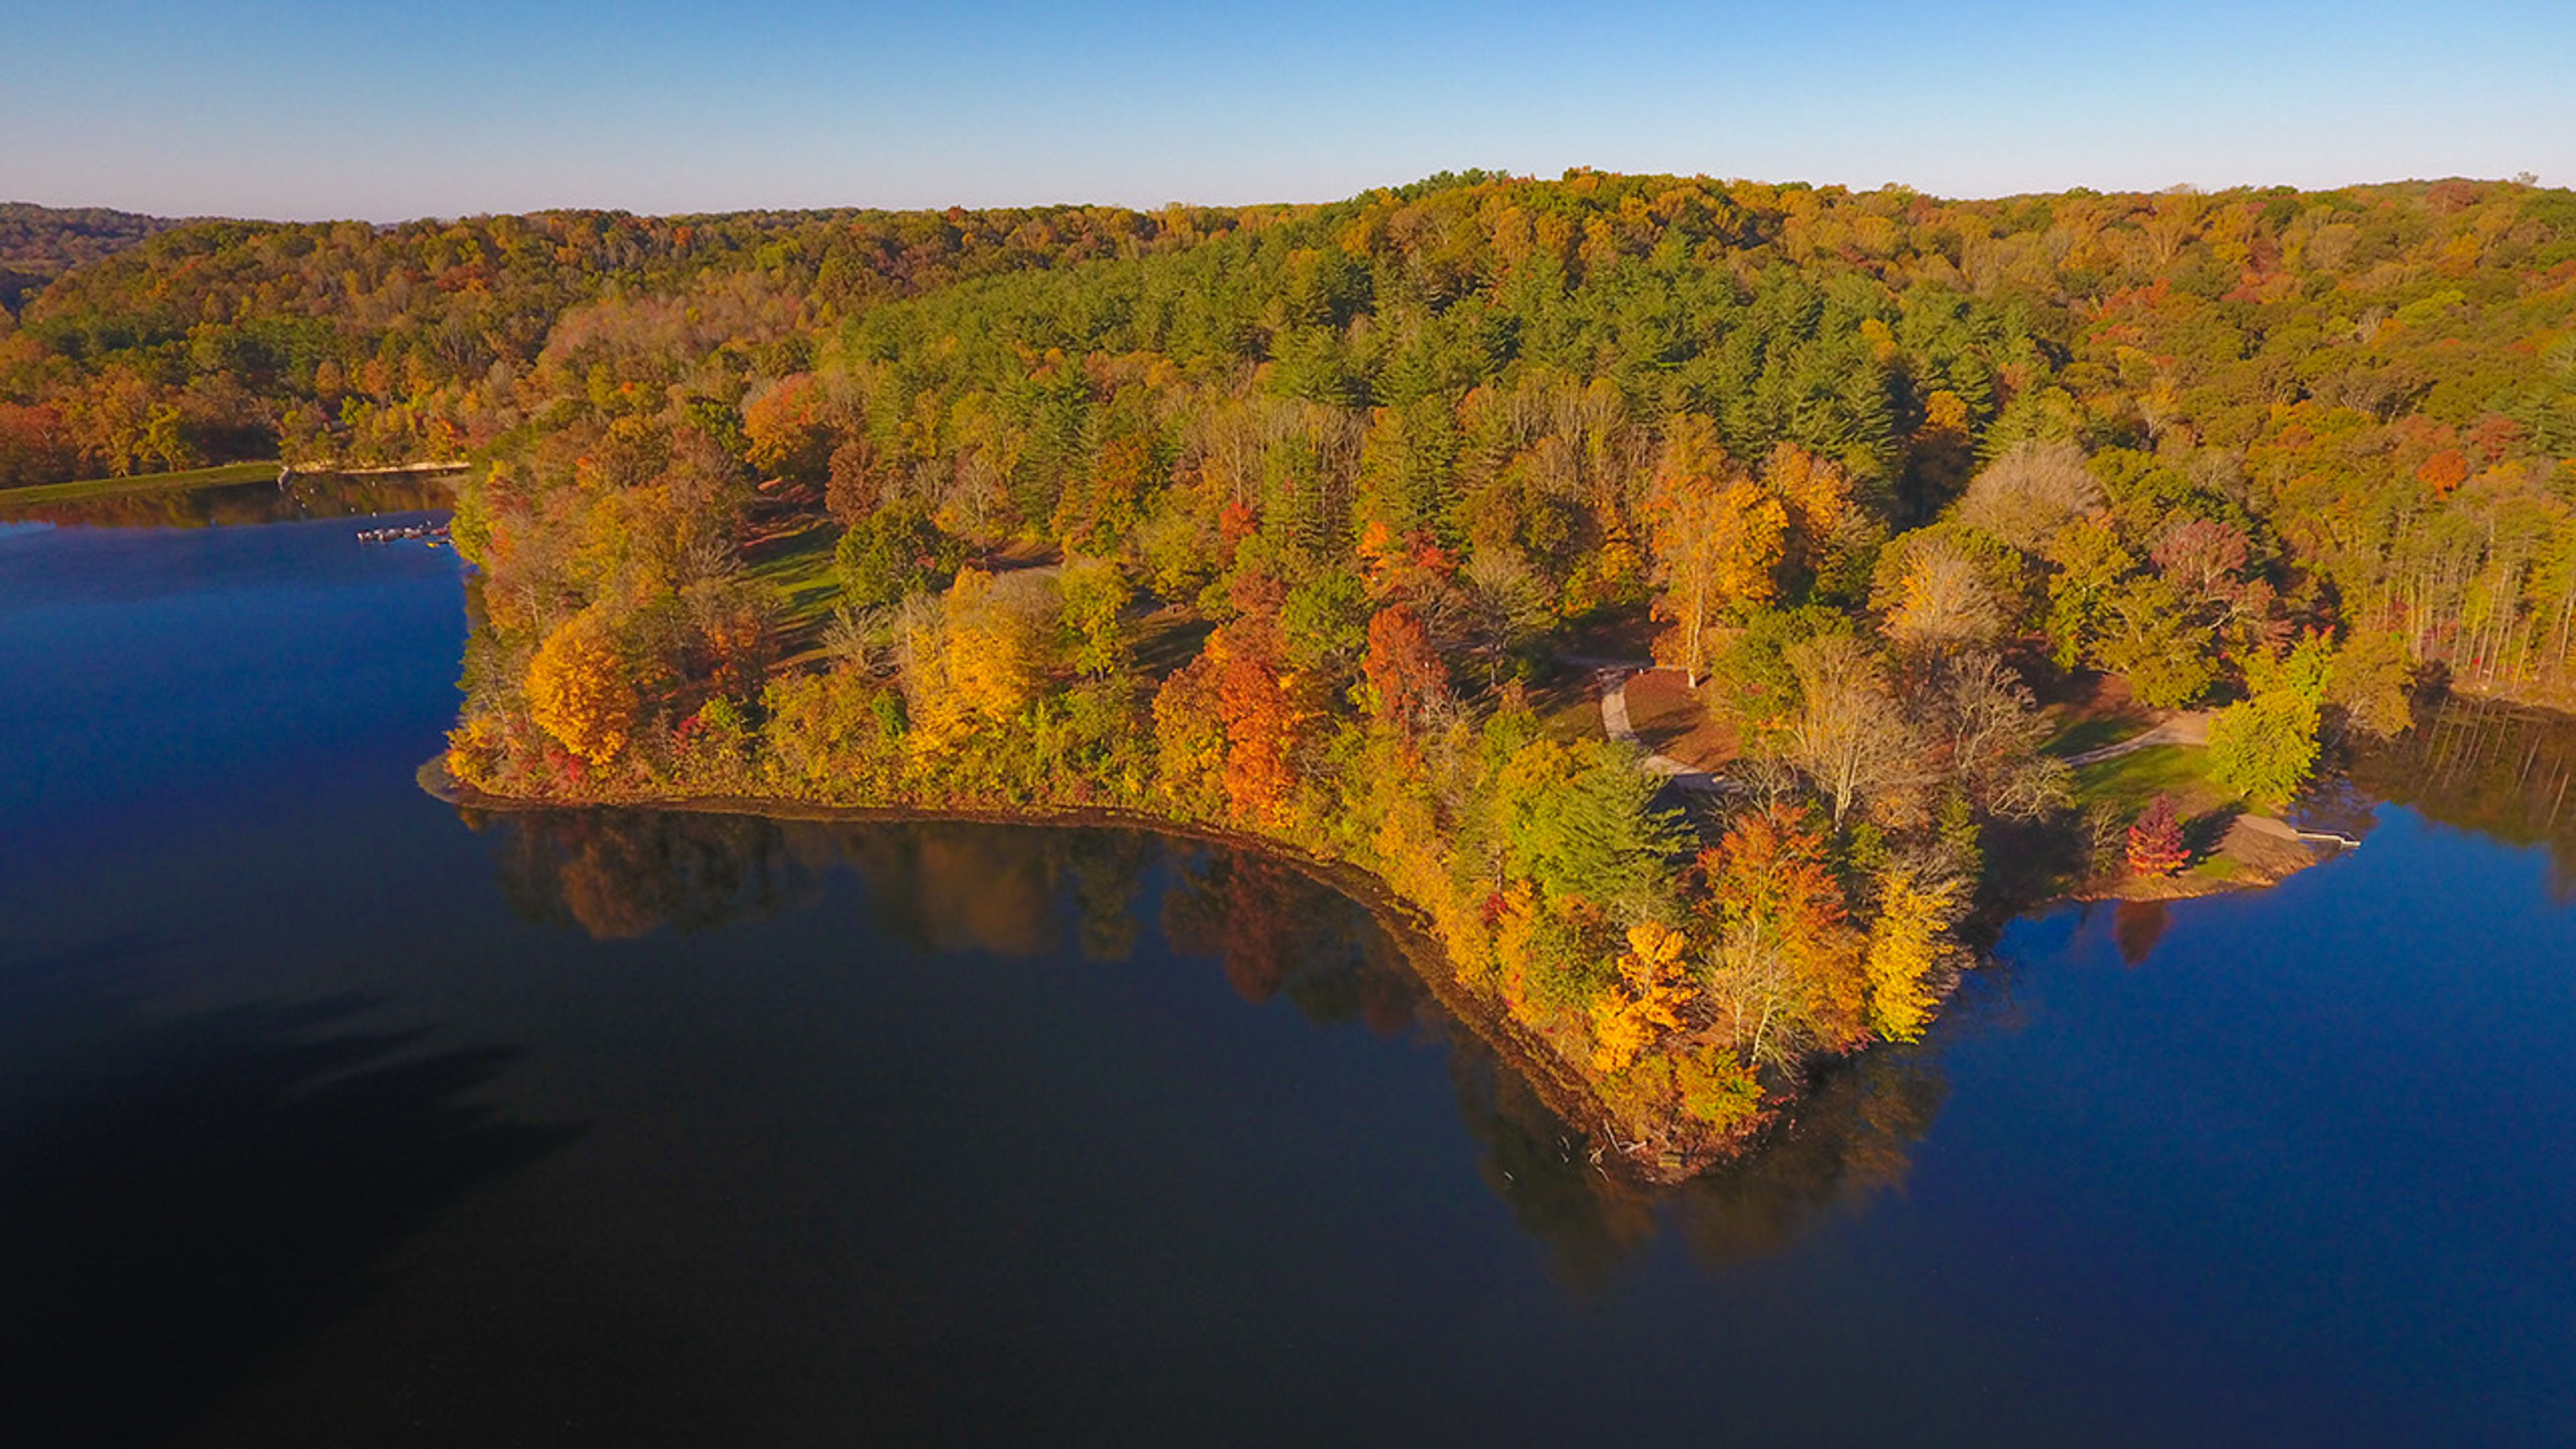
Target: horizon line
2525	179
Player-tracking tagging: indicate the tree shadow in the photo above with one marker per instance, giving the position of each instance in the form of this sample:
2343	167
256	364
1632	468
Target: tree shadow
2203	834
186	1198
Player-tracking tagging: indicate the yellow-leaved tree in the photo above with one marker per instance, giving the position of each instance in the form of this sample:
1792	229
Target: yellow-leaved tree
1189	739
1654	985
1904	951
578	690
1944	603
993	634
1816	496
1717	537
971	658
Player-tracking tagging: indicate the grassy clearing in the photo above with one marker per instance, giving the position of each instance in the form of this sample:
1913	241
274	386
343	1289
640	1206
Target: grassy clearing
2129	781
799	566
2086	711
1165	639
263	472
1567	705
2080	732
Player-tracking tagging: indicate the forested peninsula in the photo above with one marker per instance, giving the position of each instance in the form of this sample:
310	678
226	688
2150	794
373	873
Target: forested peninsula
1877	518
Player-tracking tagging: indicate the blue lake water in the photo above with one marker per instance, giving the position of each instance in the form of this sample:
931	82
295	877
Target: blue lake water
329	1117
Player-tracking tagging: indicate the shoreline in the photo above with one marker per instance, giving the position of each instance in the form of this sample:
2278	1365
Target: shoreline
1512	1044
1514	1048
2261	852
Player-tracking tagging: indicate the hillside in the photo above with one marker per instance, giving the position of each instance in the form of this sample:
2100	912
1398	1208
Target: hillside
40	243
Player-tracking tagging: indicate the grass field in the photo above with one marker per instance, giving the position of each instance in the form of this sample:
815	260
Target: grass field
261	472
799	566
2129	781
2077	733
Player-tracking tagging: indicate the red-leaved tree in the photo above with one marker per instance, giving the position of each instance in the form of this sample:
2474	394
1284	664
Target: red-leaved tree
2155	840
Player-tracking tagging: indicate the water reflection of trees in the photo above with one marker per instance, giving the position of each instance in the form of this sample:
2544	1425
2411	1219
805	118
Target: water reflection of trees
1277	933
621	874
953	885
238	504
2508	773
1280	932
2136	927
1852	1136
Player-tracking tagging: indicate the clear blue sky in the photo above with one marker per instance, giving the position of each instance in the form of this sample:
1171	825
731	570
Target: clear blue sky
300	109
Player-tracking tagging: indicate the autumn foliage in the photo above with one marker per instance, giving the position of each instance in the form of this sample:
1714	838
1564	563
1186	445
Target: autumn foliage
1260	720
579	690
1311	522
1405	674
2156	845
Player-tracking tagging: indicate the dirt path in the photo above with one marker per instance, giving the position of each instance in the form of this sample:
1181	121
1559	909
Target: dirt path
2190	727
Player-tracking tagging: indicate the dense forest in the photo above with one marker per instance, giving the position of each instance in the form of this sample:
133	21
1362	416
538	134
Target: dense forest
1293	522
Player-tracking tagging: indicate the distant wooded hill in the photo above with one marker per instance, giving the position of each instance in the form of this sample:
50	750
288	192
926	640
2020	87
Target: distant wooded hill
39	243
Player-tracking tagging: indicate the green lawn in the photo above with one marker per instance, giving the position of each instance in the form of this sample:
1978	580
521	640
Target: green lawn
2129	781
261	472
2219	867
799	566
2082	732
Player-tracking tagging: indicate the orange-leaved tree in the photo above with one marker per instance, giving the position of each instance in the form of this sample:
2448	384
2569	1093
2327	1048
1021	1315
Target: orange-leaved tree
783	430
1786	963
1816	496
1260	720
1405	675
579	692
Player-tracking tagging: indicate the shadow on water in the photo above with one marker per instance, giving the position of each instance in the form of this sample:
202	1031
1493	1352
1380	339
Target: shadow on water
1277	933
943	886
187	1197
623	874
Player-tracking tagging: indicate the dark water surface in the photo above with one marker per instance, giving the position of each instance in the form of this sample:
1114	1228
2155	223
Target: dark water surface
329	1118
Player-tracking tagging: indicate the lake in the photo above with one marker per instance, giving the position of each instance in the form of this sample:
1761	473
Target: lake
328	1116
